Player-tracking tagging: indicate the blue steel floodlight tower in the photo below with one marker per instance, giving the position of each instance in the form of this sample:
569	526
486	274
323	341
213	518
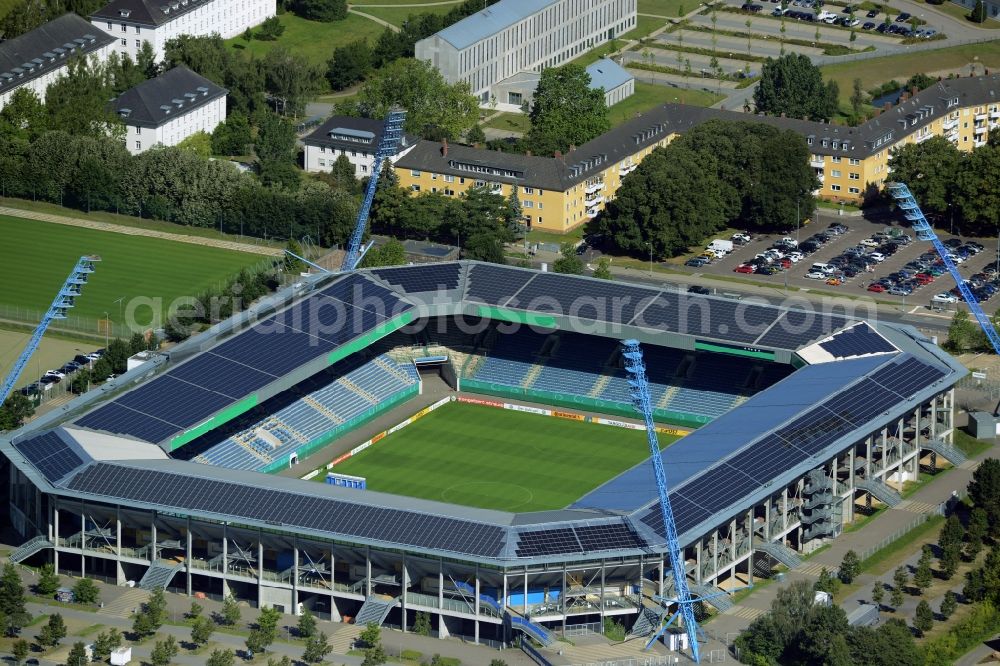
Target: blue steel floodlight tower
392	133
640	399
908	204
64	301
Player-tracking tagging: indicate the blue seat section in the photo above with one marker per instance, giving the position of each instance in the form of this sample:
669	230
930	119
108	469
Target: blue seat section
300	421
713	386
511	357
576	364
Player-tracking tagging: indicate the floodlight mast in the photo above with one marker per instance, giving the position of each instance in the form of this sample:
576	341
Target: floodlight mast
639	385
64	300
392	134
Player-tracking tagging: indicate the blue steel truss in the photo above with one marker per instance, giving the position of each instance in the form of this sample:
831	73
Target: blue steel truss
63	302
908	204
391	135
636	369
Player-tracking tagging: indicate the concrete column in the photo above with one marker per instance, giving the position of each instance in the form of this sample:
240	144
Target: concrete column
295	575
784	509
83	542
152	544
188	547
402	599
503	599
767	519
441	587
715	554
225	560
750	538
699	547
55	525
563	604
524	602
260	571
368	571
334	612
604	592
476	623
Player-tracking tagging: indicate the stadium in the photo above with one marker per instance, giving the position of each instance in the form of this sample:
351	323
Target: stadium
502	484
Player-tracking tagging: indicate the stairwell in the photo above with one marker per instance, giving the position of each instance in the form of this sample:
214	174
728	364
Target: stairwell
668	395
946	451
319	407
532	374
599	386
347	383
375	610
159	575
243	439
393	370
29	548
879	491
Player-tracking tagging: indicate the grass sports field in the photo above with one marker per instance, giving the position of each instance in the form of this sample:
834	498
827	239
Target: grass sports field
40	255
497	458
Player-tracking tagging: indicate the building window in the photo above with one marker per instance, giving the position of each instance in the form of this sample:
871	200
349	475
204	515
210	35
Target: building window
415	188
529	190
138	44
854	190
836	160
124	42
450	192
364	168
110	28
854	161
835	173
322	163
527	204
835	188
414	173
124	27
434	176
137	130
138	145
449	179
539	205
138	30
854	175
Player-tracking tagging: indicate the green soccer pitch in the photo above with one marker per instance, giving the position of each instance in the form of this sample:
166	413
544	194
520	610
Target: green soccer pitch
497	458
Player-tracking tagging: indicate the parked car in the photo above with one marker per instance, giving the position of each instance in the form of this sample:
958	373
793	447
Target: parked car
868	25
816	275
872	13
58	374
876	287
697	262
903	17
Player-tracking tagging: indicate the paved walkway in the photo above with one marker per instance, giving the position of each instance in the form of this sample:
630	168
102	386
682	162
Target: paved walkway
140	231
393	27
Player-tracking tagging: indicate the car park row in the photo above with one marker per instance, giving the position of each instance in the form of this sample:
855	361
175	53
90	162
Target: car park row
51	377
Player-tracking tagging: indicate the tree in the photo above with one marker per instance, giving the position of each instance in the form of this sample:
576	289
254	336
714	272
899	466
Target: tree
86	592
321	10
827	582
48	581
221	658
195	611
976	193
498	662
569	262
77	101
923	619
164	652
53	631
374	656
422	624
230	614
199	143
929	169
923	576
275	139
963	333
270	29
317	648
850	567
878	593
284	661
20	649
978	530
349	64
792	85
948	604
978	14
267	627
390	253
434	108
77	654
24	117
201	630
290	80
154	613
475	135
603	269
370	635
232	137
816	642
256	641
984	490
858	98
15	410
306	626
105	643
13	608
566	111
900	579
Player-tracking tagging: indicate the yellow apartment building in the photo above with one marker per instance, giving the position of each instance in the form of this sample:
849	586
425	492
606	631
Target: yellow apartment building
560	193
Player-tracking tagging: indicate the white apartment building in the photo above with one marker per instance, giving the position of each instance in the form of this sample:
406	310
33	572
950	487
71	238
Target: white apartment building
37	58
168	109
132	22
514	36
355	138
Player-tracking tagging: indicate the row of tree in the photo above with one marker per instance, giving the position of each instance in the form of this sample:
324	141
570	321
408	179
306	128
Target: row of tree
720	174
955	188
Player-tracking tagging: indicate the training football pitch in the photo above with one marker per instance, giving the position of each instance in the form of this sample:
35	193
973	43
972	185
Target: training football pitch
498	459
39	256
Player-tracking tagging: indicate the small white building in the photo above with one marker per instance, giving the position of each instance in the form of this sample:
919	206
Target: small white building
132	22
517	92
36	59
357	138
168	109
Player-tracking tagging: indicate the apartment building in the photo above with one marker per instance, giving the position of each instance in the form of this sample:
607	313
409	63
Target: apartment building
556	193
851	163
355	138
168	109
37	58
132	22
514	36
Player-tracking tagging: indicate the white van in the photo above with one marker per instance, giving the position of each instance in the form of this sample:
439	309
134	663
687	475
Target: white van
822	268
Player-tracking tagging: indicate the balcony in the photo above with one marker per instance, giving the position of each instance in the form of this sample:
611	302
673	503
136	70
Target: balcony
816	162
980	117
981	129
820	177
595	187
995	114
593	200
950	123
923	137
626	169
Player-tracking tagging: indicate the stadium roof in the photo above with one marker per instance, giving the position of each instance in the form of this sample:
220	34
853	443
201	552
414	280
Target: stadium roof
714	473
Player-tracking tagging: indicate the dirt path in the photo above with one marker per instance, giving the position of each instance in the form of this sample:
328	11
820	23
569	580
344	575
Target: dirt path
138	231
394	28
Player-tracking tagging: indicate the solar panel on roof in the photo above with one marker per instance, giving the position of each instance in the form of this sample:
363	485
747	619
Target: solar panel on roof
539	543
495	285
799	327
612	536
857	341
585	299
50	455
427	277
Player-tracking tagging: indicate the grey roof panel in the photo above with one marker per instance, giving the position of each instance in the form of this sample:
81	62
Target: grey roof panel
490	21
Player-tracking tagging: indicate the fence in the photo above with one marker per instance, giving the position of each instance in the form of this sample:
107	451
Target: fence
90	326
582	629
657	660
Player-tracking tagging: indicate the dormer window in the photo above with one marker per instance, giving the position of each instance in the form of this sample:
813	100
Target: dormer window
166	109
124	113
124	13
203	90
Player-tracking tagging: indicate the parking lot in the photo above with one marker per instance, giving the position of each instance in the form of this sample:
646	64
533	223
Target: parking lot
858	230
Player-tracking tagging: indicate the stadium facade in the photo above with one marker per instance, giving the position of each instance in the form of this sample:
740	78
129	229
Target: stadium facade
826	413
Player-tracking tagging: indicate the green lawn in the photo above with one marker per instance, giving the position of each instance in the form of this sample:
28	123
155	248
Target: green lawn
875	71
397	15
969	445
511	122
6	6
962	14
40	256
313	40
498	459
644	25
648	95
669	8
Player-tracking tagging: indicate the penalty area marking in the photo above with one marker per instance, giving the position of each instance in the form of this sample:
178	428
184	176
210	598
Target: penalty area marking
470	486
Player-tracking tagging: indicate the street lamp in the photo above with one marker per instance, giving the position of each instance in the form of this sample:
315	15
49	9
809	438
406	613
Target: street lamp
650	246
107	327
